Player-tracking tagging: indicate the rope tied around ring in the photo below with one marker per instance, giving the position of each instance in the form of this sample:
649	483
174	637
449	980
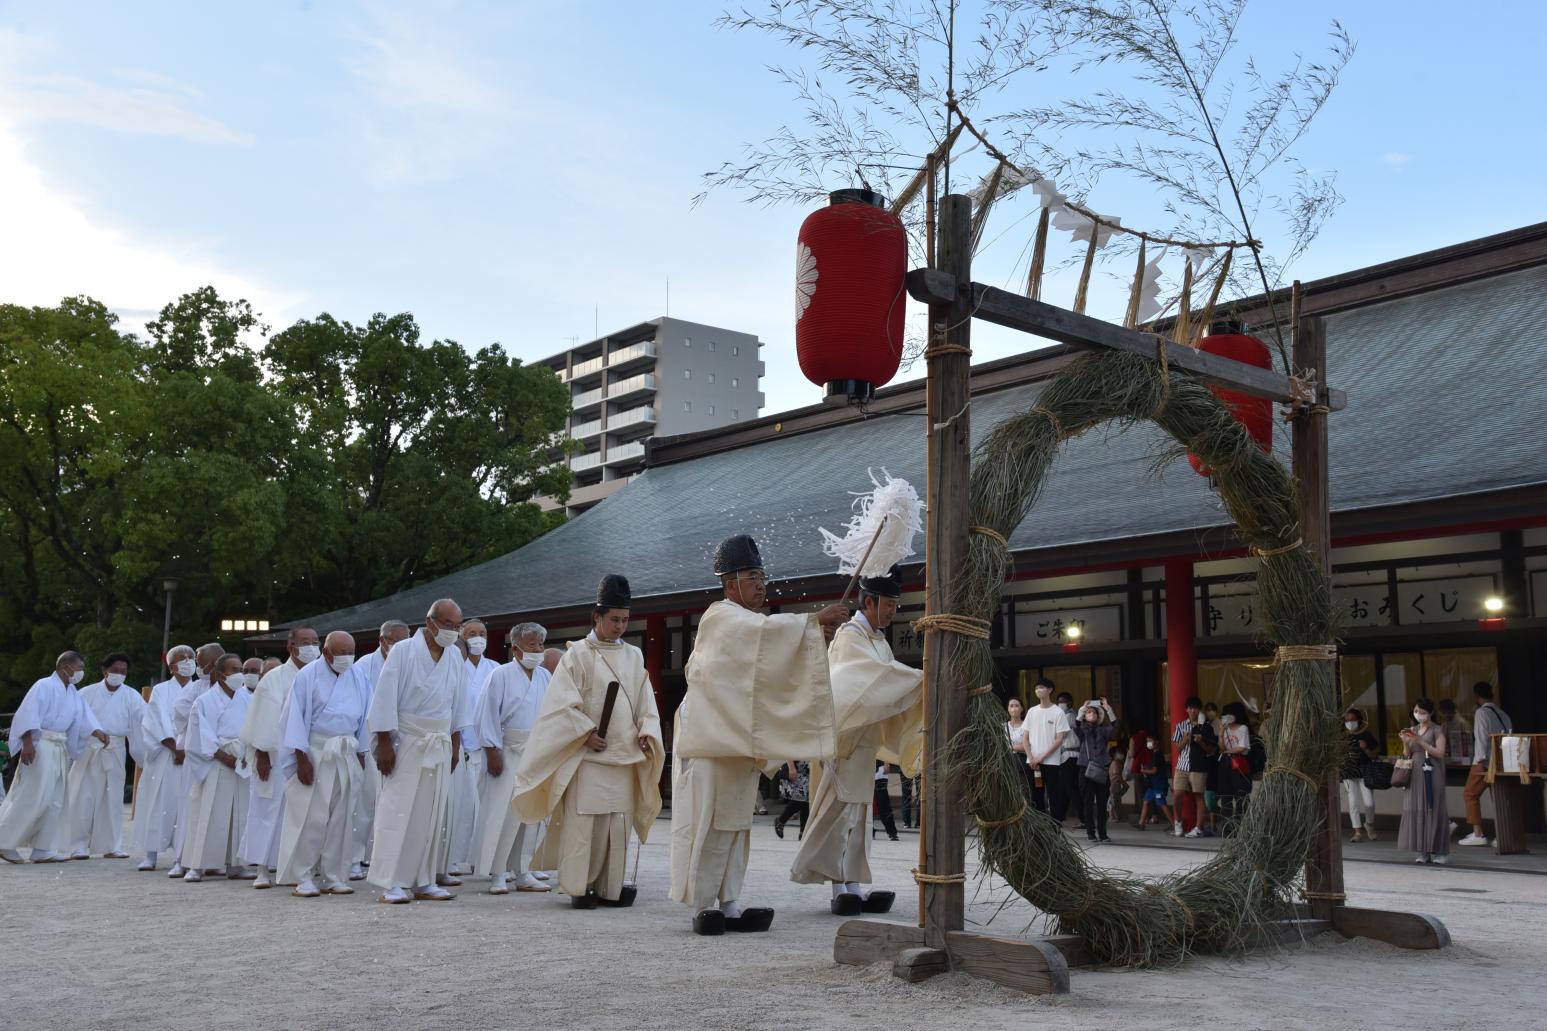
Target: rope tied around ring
1271	770
1286	549
1192	919
992	534
920	877
990	825
1304	653
966	626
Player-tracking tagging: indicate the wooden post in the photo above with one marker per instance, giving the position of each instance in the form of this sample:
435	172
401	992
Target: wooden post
949	388
1324	871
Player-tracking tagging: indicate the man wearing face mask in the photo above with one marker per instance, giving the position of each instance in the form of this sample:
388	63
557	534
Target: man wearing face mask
96	786
216	766
182	705
368	668
260	735
321	754
47	732
252	672
503	843
759	691
462	811
156	805
415	716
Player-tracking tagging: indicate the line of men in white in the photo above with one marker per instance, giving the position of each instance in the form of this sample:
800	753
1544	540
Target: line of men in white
424	760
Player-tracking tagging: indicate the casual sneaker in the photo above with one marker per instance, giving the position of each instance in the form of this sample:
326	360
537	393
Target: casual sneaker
1441	860
1369	834
1356	837
1474	839
1176	829
1196	832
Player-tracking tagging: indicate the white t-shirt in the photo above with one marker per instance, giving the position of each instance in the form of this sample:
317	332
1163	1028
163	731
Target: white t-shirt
1016	734
1042	726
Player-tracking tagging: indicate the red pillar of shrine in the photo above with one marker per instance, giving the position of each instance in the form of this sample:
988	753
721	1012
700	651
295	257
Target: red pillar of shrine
1181	638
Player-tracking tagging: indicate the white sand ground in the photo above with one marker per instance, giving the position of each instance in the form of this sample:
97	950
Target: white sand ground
88	945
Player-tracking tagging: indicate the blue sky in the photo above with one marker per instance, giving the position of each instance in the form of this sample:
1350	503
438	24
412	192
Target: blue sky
521	173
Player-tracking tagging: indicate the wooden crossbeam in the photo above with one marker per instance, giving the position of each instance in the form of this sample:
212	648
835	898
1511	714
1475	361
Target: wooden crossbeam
1004	308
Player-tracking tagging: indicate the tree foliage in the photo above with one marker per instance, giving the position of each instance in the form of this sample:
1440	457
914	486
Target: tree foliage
323	467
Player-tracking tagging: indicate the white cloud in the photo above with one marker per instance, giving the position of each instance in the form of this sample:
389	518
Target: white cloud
1396	158
55	248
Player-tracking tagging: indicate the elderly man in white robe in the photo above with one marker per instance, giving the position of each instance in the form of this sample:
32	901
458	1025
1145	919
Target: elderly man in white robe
182	705
217	765
462	809
321	753
592	766
260	735
49	730
758	693
368	668
159	795
96	783
878	705
503	719
415	717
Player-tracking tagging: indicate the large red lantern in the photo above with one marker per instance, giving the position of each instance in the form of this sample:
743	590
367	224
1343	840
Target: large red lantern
1228	340
850	266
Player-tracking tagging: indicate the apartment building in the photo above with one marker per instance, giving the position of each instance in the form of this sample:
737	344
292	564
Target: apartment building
657	378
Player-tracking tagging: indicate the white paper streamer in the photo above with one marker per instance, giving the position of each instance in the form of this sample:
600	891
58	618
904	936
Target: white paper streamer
893	500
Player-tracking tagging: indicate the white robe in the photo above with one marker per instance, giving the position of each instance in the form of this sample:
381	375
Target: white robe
462	808
96	783
503	719
34	813
159	795
758	694
217	805
367	668
592	798
182	705
878	705
419	700
265	798
324	717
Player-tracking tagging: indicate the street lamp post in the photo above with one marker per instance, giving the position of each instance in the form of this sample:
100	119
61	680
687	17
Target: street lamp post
169	586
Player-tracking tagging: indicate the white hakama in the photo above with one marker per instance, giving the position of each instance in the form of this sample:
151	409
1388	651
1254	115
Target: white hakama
758	694
418	699
96	785
467	780
325	717
182	706
159	796
503	719
217	805
34	813
591	798
368	668
878	705
266	798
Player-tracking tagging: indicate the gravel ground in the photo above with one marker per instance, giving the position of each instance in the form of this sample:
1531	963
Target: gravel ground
98	945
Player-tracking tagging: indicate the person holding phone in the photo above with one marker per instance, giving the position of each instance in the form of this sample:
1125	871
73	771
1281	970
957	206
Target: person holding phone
1425	827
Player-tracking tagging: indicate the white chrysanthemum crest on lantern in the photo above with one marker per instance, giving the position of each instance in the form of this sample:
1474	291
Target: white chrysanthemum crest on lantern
880	533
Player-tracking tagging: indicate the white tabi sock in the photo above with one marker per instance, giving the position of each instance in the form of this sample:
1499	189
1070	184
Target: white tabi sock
731	908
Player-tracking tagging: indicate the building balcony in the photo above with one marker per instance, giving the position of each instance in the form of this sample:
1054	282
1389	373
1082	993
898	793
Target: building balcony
589	399
625	453
580	463
586	429
634	386
586	370
644	415
637	355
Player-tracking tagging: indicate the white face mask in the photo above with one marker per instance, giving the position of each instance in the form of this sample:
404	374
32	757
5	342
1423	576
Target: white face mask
1151	744
250	680
186	668
1064	706
341	663
1350	724
1420	716
531	660
1227	720
77	677
308	653
114	679
476	645
446	638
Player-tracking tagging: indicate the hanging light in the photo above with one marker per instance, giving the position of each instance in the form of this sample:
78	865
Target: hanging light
850	270
1229	339
1072	637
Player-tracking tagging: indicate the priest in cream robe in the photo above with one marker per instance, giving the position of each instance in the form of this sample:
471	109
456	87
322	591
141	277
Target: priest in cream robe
96	784
156	803
321	753
49	730
415	717
878	705
260	736
592	783
503	719
462	808
368	668
758	693
203	661
217	766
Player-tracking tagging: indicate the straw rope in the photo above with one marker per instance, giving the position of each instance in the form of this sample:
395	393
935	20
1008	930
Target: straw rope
920	877
1286	549
1305	653
992	534
966	626
990	825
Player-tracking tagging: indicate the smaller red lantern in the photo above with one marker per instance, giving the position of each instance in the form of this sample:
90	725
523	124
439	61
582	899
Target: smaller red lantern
1230	340
850	271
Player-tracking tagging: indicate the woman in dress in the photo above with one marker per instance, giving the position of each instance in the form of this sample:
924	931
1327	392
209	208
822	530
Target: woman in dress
1235	771
1425	825
1015	730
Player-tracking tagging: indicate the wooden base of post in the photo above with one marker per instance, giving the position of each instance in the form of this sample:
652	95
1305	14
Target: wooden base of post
1404	930
1036	966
